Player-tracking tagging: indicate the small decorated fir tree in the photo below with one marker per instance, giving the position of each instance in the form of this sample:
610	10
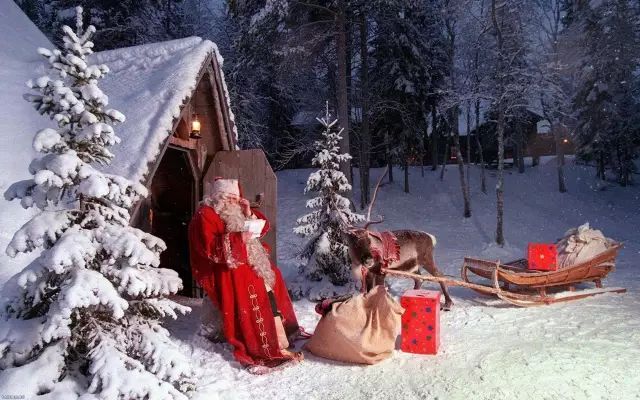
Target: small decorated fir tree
86	311
325	255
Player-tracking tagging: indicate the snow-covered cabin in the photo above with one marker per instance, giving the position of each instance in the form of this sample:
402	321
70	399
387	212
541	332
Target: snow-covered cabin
162	88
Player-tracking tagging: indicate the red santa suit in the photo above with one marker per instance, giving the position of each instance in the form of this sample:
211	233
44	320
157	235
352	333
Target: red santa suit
221	265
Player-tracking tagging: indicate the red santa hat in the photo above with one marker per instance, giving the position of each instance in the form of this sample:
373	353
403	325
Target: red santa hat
225	186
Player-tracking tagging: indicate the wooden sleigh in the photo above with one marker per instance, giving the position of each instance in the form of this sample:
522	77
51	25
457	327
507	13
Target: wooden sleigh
514	283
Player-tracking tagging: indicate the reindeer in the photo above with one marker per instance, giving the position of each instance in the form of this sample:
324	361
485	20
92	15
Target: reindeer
415	251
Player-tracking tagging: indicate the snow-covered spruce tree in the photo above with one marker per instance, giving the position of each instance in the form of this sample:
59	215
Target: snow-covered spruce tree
606	103
86	311
325	254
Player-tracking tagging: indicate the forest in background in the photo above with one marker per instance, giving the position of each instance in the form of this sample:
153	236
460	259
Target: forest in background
408	80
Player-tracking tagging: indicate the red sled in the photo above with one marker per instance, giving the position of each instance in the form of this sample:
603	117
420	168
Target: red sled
420	322
542	257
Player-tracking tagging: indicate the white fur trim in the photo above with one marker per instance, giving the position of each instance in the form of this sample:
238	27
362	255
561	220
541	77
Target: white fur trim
226	186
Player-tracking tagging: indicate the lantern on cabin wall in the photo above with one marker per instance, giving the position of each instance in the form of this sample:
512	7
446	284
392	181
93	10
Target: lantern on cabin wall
195	127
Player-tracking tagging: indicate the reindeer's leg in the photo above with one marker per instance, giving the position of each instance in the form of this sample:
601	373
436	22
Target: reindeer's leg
374	279
370	280
410	265
417	283
430	265
447	298
379	280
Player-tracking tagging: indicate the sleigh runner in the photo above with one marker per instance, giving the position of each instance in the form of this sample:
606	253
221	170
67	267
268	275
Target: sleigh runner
514	283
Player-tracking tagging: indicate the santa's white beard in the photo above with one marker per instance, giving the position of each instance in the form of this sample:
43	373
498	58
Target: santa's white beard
234	218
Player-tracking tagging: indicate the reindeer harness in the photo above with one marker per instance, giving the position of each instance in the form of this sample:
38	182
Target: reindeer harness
385	251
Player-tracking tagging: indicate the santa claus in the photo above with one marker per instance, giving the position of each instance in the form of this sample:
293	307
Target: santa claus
232	265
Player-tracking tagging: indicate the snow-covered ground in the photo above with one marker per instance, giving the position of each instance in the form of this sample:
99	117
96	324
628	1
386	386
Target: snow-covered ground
588	349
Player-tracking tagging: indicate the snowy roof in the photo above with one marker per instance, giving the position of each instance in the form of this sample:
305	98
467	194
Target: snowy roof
532	107
149	84
543	127
18	120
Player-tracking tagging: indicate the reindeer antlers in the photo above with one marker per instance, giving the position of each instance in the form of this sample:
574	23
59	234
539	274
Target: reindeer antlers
372	223
373	200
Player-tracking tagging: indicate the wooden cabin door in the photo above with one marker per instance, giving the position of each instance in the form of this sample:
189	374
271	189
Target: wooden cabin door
172	202
255	175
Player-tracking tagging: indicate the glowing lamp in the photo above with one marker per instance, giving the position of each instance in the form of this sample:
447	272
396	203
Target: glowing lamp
195	127
565	140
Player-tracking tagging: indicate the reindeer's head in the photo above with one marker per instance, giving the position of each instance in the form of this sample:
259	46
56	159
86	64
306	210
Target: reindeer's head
358	239
359	242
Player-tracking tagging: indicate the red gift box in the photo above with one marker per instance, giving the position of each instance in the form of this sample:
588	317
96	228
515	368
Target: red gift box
542	257
420	322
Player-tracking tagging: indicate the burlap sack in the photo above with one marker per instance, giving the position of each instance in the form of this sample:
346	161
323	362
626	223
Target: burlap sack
360	330
579	245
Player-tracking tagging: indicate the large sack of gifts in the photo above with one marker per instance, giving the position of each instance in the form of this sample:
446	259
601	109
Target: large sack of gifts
580	244
362	329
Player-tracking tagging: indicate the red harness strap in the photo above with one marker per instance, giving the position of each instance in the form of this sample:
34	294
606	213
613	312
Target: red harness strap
388	250
385	252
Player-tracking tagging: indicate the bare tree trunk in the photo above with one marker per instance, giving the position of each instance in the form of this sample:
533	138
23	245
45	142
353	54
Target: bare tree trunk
463	181
601	169
517	155
406	176
434	138
348	28
521	141
468	146
167	20
349	34
476	88
446	157
626	166
500	183
558	131
389	155
364	134
454	117
342	91
483	181
405	134
422	160
425	138
500	130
